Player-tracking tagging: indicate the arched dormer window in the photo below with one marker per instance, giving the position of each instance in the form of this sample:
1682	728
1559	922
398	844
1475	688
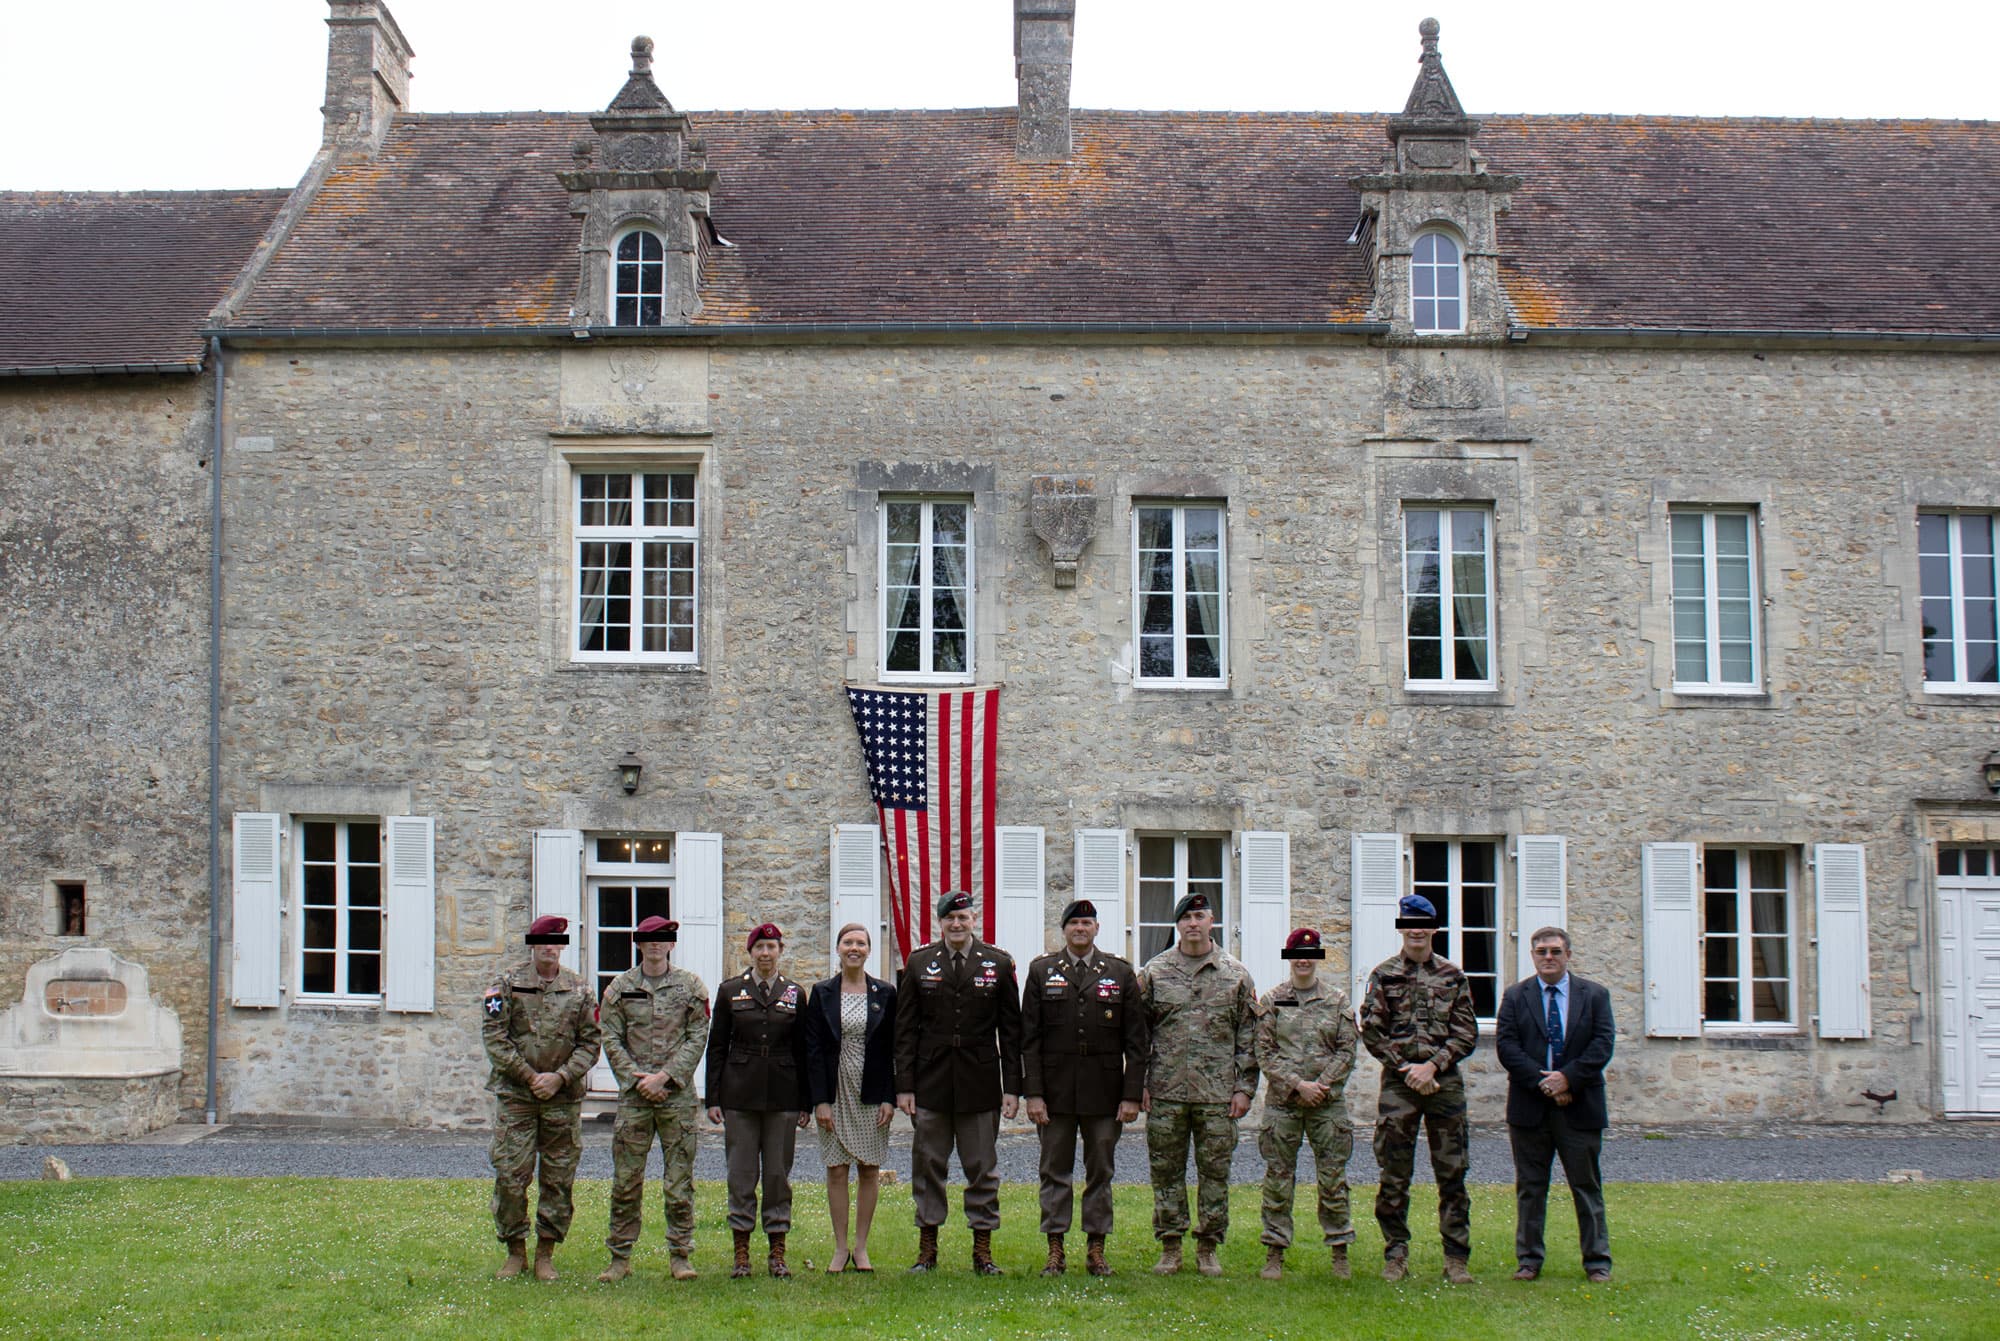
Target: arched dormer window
1437	284
639	280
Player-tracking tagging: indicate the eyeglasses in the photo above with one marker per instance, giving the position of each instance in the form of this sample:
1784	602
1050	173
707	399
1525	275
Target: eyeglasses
1551	949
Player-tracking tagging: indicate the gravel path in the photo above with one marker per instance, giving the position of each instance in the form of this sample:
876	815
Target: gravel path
1776	1154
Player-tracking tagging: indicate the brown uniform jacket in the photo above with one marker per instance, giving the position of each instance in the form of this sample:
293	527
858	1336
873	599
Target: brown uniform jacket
958	1033
1083	1033
530	1026
1418	1013
757	1046
1304	1037
655	1029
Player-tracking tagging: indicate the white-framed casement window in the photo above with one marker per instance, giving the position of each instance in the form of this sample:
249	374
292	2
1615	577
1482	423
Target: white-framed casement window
340	909
1181	594
1461	878
1746	937
1171	867
1448	597
1961	577
626	881
637	554
1437	284
1715	599
639	279
926	598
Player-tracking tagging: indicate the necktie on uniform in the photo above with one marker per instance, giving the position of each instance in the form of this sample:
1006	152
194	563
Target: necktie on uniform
1554	1027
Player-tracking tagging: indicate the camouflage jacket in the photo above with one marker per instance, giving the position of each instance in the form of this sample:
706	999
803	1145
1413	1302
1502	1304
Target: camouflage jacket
1203	1014
1304	1036
530	1026
1419	1013
655	1029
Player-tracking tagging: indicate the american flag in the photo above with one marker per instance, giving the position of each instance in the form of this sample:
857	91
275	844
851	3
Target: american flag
931	758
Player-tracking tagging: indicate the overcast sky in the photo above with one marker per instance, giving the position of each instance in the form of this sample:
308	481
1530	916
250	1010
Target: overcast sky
154	94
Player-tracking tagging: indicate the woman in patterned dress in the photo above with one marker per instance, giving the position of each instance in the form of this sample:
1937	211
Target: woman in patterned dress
850	1067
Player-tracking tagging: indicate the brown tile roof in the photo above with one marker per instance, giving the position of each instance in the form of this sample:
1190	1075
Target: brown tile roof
102	280
926	216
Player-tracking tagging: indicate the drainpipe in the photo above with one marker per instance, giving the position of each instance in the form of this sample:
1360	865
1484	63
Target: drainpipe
214	727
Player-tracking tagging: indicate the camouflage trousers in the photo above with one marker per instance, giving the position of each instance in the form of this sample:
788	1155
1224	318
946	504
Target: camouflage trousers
1332	1136
1442	1115
639	1123
525	1132
1170	1129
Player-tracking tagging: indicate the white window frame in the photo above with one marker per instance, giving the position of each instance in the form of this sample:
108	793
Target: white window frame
600	872
926	588
1453	913
1180	679
1225	922
1447	598
1434	268
1711	601
1954	556
343	869
615	283
1746	938
638	536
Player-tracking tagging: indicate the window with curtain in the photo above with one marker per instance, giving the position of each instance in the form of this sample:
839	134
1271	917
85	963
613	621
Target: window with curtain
1172	866
1960	575
1714	598
1746	946
1181	594
639	280
926	598
1448	597
637	549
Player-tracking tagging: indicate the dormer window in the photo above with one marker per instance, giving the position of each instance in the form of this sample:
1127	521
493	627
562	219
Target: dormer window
1437	285
639	280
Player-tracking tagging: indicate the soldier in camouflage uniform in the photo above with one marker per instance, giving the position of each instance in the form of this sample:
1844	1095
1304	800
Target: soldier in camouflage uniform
1201	1074
540	1033
1417	1019
1305	1048
655	1019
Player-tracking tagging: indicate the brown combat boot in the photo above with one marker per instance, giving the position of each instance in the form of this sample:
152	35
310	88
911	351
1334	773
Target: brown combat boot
1093	1258
1455	1271
517	1260
1204	1257
619	1269
1058	1261
545	1259
774	1261
1395	1268
926	1250
678	1265
742	1265
1170	1257
1274	1263
1341	1271
982	1254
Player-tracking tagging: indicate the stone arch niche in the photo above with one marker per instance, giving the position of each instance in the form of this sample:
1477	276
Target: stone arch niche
87	1054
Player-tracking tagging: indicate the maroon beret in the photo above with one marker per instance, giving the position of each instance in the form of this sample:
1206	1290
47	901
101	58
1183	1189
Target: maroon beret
1303	944
656	929
767	931
549	929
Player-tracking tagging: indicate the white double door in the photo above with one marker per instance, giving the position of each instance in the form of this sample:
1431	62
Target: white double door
1969	979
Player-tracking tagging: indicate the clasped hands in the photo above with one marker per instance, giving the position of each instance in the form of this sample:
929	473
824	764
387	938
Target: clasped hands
1555	1085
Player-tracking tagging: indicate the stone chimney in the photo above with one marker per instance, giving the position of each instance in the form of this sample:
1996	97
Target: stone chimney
1044	32
367	74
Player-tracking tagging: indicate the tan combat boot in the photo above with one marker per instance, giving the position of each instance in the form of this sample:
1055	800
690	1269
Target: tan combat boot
926	1250
619	1269
1093	1258
1274	1263
1341	1271
545	1259
517	1260
1170	1257
982	1254
774	1261
1204	1257
741	1268
1058	1261
1455	1271
678	1265
1395	1268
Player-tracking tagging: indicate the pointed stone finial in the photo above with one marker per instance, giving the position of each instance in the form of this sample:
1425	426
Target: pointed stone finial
1432	97
642	54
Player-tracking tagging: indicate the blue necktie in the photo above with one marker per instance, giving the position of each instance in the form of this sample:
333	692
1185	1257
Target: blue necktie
1554	1028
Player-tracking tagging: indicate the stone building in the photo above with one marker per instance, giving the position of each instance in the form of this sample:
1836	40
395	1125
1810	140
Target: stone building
1580	520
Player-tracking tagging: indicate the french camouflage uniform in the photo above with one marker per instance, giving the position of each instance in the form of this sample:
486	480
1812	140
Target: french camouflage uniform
531	1025
1421	1013
648	1028
1203	1014
1305	1035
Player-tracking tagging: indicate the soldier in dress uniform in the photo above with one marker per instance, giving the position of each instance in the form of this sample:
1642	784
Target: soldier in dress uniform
1417	1019
655	1025
757	1091
1305	1048
1200	1077
1083	1067
540	1033
958	1069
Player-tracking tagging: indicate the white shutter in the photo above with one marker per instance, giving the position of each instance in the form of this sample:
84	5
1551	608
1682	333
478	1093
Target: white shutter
1019	916
255	911
1670	890
1541	898
698	908
1099	875
1376	885
854	861
558	885
1840	892
1266	917
410	911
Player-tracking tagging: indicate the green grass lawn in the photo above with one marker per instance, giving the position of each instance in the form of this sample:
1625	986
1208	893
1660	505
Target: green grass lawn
325	1257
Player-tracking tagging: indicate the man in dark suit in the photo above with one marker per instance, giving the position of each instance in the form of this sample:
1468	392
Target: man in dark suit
1554	1037
1083	1060
958	1070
